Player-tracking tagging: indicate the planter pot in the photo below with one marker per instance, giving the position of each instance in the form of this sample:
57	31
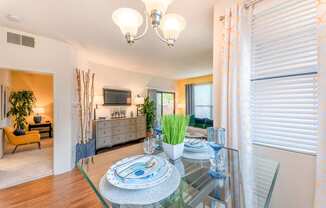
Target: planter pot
173	151
19	132
85	150
149	133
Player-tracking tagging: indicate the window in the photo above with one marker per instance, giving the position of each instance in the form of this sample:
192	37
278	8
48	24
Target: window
203	101
165	104
284	99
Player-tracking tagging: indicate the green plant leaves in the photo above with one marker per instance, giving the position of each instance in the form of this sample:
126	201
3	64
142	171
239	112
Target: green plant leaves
174	128
148	109
21	106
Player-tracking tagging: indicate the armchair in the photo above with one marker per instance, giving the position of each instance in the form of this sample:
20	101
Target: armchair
30	137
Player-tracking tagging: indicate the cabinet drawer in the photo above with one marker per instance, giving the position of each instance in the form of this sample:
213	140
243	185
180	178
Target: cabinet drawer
131	137
100	124
103	124
141	135
103	132
117	130
103	142
118	139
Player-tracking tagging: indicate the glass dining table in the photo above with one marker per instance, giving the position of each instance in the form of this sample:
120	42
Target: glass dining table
249	182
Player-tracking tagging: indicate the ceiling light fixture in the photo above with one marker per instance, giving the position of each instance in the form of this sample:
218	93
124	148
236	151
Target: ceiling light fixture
170	25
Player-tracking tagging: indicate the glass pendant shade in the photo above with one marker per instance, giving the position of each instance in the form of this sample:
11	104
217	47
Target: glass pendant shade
160	5
172	25
128	20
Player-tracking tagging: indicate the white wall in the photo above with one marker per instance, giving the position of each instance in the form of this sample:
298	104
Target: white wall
296	179
4	77
57	58
295	184
138	83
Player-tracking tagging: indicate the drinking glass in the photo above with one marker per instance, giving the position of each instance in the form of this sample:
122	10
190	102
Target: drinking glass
216	140
149	145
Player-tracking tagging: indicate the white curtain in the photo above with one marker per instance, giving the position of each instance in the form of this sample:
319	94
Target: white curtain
234	75
320	192
232	84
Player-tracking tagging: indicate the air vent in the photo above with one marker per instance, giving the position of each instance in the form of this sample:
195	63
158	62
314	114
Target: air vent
28	41
18	39
13	38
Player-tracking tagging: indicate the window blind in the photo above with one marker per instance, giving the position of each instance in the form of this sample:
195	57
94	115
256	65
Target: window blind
284	71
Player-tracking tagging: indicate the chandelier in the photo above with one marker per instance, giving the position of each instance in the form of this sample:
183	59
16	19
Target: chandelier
166	26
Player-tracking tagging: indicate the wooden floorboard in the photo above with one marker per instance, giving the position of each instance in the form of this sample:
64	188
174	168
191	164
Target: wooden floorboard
66	190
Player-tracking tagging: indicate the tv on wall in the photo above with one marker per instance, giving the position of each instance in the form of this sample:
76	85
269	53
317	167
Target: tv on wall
116	97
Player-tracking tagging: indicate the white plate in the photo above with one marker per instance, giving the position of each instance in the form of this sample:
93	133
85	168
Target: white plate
164	173
198	155
140	197
200	146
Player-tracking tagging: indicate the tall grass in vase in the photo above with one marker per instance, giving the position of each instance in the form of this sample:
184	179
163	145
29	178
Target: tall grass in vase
174	130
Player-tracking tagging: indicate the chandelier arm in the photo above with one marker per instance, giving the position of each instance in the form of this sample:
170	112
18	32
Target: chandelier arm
146	28
170	44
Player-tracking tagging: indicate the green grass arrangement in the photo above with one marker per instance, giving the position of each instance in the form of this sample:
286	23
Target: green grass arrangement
174	128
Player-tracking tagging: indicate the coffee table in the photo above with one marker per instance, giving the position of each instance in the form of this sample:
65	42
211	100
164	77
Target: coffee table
248	184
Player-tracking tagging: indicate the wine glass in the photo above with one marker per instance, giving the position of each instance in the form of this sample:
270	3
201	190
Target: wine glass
216	140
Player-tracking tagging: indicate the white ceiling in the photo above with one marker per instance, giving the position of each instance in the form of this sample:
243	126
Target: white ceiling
88	23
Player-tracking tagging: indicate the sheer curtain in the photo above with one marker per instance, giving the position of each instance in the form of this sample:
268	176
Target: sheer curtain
234	73
232	81
320	191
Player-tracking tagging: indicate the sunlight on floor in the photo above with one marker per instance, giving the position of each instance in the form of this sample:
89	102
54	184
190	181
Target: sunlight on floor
28	163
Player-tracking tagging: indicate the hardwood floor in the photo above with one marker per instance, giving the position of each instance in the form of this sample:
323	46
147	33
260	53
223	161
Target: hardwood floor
69	190
66	190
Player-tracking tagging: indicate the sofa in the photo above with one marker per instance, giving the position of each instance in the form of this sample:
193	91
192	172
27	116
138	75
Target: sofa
198	126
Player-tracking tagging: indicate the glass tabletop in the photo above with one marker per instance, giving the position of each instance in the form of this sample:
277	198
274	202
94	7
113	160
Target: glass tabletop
248	183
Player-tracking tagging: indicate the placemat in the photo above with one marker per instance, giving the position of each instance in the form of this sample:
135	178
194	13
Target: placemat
140	197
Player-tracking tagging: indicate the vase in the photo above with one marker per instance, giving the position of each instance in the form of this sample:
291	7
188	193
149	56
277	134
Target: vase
37	119
173	151
85	150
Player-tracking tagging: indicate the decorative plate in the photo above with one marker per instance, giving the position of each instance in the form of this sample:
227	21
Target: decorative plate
139	172
196	145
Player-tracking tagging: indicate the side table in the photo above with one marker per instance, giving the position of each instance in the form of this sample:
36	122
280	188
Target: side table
41	127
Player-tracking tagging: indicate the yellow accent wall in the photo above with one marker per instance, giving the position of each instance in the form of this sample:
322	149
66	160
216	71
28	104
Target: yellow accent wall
181	91
40	84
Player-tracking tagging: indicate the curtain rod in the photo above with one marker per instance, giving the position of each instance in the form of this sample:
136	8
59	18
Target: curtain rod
252	3
246	5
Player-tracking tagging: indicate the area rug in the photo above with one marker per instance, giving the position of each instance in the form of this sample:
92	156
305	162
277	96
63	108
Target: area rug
25	166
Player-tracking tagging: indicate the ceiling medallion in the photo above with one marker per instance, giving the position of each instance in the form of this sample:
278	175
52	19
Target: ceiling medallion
166	26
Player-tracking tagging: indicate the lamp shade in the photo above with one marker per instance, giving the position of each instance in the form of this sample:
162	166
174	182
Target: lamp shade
38	110
172	25
128	20
139	100
160	5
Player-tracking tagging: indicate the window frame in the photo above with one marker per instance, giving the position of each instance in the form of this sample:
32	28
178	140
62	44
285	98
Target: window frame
211	107
165	92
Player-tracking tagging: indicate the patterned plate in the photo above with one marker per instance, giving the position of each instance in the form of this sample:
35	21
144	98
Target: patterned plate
161	172
196	145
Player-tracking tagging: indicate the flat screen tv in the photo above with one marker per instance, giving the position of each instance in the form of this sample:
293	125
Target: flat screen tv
116	97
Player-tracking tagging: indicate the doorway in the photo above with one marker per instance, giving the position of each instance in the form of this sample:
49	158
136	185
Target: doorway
32	157
165	104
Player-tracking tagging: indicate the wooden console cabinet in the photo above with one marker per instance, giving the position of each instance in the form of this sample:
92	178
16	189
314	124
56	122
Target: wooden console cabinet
116	131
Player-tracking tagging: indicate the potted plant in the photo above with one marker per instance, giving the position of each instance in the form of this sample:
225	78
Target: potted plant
174	130
21	106
148	109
